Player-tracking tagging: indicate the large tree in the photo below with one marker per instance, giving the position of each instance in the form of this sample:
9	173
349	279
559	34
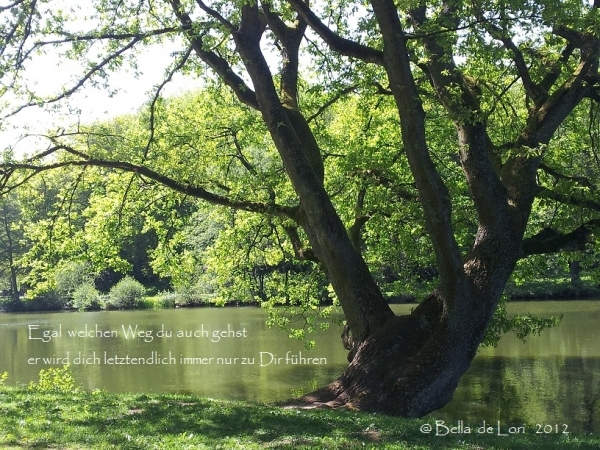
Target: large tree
465	60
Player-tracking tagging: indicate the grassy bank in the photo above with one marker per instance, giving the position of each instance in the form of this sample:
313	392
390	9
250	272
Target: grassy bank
97	420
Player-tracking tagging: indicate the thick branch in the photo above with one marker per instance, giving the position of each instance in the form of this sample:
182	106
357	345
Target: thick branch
290	38
360	219
432	191
546	118
337	43
550	241
364	306
300	250
488	192
213	13
217	63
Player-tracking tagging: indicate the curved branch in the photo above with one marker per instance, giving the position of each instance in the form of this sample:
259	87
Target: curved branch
583	181
176	68
88	75
8	169
337	43
110	36
11	5
217	63
531	88
211	12
568	199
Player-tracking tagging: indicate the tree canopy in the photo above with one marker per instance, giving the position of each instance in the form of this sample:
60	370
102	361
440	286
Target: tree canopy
373	144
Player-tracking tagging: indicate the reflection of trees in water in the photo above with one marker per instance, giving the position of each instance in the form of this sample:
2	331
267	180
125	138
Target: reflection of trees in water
591	397
551	390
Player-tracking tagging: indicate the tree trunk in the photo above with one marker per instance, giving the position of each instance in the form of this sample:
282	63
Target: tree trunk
575	273
410	366
14	288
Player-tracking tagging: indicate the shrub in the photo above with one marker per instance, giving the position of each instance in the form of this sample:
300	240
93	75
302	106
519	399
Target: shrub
86	298
3	377
71	276
54	380
164	300
46	300
192	296
9	304
126	294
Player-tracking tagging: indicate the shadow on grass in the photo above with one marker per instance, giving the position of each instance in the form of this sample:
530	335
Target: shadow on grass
128	421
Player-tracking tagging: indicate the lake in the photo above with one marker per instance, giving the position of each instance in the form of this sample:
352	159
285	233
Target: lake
552	380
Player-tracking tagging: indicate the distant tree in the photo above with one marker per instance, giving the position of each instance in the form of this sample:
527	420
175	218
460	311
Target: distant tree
12	245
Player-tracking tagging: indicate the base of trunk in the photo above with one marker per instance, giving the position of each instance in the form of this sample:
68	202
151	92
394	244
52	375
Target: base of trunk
409	367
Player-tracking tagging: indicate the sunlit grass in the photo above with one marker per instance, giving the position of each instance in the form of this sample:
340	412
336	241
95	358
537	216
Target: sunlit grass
98	420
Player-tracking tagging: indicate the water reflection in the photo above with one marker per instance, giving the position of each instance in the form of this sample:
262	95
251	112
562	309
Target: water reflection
529	390
552	379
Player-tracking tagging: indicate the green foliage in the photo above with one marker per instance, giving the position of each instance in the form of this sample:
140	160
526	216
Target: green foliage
521	325
3	377
194	295
71	276
126	294
86	298
130	224
44	299
54	380
164	300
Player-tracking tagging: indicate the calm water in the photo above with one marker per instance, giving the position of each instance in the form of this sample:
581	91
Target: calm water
553	379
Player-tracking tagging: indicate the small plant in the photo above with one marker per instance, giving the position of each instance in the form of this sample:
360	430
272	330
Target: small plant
3	377
127	294
54	380
86	298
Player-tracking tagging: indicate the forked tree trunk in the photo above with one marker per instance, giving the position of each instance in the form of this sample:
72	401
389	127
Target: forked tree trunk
409	367
412	364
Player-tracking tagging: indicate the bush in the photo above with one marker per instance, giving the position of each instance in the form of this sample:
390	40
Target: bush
192	296
47	300
86	298
126	294
9	304
71	276
164	300
54	380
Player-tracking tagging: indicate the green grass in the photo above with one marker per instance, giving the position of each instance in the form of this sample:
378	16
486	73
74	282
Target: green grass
98	420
